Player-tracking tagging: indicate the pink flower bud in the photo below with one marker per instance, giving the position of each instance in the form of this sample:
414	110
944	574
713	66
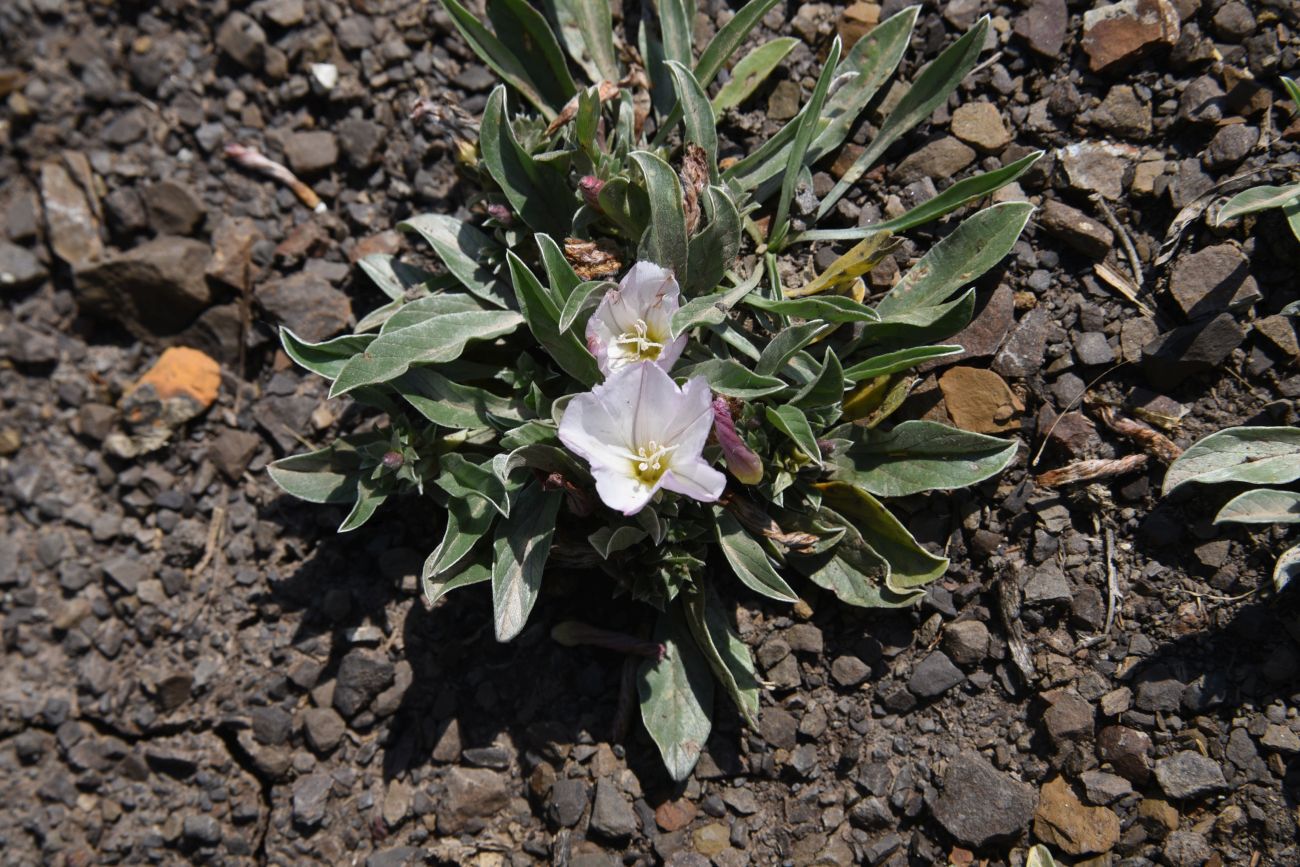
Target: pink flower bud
501	213
393	460
742	463
590	187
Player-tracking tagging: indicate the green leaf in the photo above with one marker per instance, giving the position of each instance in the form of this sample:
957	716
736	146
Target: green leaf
676	27
827	308
453	405
917	325
540	456
714	248
752	70
979	243
919	456
701	125
1292	214
435	340
676	695
462	479
463	249
369	499
437	587
731	378
327	475
611	540
826	390
520	548
1254	455
593	47
935	82
468	521
726	654
1039	856
865	255
1261	506
786	344
538	192
791	421
1287	567
327	357
664	242
498	57
802	139
1257	199
429	307
543	317
728	38
586	297
958	194
910	565
1292	89
892	362
395	278
560	276
748	559
524	32
853	571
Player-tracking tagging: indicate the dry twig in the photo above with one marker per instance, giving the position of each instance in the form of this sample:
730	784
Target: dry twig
251	158
1151	440
1087	471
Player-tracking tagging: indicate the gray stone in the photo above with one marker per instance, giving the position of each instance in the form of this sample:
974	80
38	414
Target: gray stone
1048	586
126	572
1158	690
202	829
1022	352
1234	21
472	794
1123	113
323	728
783	104
980	803
1092	348
1077	229
934	675
311	152
19	267
1188	774
1128	751
940	159
1230	145
1281	739
363	674
1183	352
361	142
231	451
243	40
966	642
310	795
271	725
174	209
849	670
1098	167
284	13
779	728
980	125
568	801
306	303
157	288
611	814
1043	25
1212	280
1201	101
1104	789
1070	718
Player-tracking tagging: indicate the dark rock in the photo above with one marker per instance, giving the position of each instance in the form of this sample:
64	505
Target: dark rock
363	674
1070	718
1212	280
1201	101
126	572
568	801
202	829
985	334
1175	355
1043	26
804	638
361	142
937	160
1022	353
1234	21
980	803
156	288
612	816
124	212
312	152
473	794
849	670
1048	586
27	345
173	208
19	267
323	728
934	675
1124	114
307	304
243	40
1158	690
1129	752
966	642
1104	789
1230	145
1092	348
271	725
310	795
231	451
779	728
1188	774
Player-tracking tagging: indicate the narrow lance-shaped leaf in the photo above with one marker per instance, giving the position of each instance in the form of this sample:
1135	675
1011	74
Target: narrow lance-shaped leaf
395	278
1261	506
713	309
961	193
327	357
524	32
520	550
468	521
726	654
462	248
731	378
463	480
752	70
370	496
728	38
1257	199
437	587
675	26
664	242
918	456
892	362
910	565
327	475
1254	455
496	55
452	404
931	87
560	277
786	344
1287	567
676	695
748	559
701	125
802	139
714	248
792	422
569	352
865	255
537	192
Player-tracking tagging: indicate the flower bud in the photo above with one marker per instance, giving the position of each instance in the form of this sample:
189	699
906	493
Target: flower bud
393	460
590	187
742	463
501	213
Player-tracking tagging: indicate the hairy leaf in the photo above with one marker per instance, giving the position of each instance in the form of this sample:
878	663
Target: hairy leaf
748	559
731	378
676	695
802	139
537	191
500	58
1254	455
892	362
664	242
751	71
1261	506
451	404
910	565
524	32
520	549
462	248
919	456
792	422
543	317
327	357
726	654
1257	199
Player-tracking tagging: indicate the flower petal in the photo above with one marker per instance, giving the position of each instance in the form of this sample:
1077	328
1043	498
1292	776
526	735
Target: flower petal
592	432
694	479
646	283
657	409
622	491
690	425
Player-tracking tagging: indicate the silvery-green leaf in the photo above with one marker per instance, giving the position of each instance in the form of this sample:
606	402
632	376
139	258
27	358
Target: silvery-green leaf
892	362
1292	89
1257	199
725	653
786	344
1254	455
543	317
496	55
327	357
1261	506
932	86
525	34
395	278
462	479
432	341
327	475
676	695
561	279
919	325
827	308
664	242
540	456
959	194
437	587
676	27
715	247
452	405
587	28
826	390
852	570
910	565
919	456
979	243
586	297
611	540
728	38
701	125
468	520
1039	856
748	559
1287	567
803	138
462	248
731	378
538	192
369	498
792	422
712	309
528	433
429	307
520	549
751	71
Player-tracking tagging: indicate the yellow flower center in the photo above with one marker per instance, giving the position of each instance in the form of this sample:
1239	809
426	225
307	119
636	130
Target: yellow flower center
640	342
649	464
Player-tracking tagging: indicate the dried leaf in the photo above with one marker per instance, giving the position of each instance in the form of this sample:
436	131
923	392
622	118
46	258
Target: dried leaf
606	90
695	177
1151	441
592	260
1086	471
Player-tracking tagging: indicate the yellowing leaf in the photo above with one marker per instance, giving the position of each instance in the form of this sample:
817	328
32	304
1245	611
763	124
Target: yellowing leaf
864	256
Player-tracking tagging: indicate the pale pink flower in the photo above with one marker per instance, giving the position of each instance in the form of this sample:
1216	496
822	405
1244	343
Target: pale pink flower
633	322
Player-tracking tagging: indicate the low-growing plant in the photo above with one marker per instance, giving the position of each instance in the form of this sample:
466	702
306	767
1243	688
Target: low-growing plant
1267	197
559	417
1254	456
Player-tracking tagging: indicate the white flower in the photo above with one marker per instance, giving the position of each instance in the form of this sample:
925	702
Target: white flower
640	433
633	322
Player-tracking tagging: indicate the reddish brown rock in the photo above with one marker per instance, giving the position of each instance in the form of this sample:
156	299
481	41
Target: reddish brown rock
1117	35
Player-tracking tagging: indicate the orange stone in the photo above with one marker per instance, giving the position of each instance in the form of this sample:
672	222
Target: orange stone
184	372
674	815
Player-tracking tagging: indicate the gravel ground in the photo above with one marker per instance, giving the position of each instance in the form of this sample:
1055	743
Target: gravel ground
196	668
